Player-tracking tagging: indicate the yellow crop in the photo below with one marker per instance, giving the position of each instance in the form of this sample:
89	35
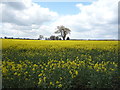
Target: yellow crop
59	64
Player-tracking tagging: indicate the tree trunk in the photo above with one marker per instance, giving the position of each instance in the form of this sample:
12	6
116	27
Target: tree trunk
63	38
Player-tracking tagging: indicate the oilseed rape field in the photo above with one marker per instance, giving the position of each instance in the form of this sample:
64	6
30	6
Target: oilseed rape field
62	64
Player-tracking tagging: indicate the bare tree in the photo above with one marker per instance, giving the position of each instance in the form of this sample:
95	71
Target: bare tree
40	37
63	31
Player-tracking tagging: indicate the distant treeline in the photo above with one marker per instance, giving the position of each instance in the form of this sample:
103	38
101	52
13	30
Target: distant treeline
95	39
57	38
51	38
17	38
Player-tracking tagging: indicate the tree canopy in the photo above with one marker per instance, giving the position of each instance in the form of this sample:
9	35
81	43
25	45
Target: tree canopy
63	31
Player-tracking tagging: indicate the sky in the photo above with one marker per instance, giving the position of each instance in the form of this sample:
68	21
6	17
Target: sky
97	19
63	8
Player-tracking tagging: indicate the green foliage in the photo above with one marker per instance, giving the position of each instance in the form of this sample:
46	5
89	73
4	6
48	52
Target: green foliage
60	64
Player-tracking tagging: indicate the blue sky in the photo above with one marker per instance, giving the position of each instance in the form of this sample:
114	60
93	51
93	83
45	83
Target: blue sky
63	8
93	19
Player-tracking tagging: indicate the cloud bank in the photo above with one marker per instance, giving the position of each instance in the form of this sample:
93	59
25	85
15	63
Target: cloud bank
28	19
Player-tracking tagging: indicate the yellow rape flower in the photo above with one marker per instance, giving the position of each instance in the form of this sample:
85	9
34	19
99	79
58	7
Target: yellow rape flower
35	65
51	83
33	69
60	78
44	78
15	73
57	82
19	74
76	72
40	75
40	80
60	85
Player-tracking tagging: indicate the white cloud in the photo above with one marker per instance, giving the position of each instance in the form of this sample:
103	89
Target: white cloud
26	14
19	17
98	20
27	19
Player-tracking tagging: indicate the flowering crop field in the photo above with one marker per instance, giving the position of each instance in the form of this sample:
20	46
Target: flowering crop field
59	64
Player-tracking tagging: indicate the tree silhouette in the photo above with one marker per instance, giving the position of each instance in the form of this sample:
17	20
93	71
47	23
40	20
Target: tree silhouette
52	37
68	38
40	37
63	31
57	38
60	39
